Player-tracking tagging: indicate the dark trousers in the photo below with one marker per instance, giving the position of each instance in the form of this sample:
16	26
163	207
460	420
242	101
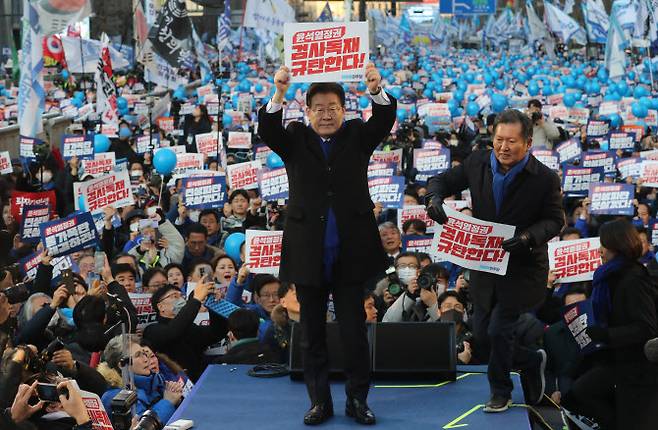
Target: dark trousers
495	337
350	313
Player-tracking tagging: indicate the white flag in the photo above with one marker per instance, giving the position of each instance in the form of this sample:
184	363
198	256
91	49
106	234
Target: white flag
615	57
269	14
596	21
106	93
31	95
56	16
565	27
91	51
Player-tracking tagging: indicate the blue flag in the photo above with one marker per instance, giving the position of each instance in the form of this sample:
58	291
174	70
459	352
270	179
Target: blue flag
224	28
325	15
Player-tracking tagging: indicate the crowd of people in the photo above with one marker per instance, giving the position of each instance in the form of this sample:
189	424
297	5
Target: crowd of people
81	324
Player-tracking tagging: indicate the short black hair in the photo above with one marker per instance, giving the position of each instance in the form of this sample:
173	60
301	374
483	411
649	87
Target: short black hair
261	280
89	310
575	288
513	116
407	254
243	323
159	294
570	230
423	256
178	266
418	225
239	192
325	88
122	268
212	212
197	227
452	293
150	273
534	103
284	288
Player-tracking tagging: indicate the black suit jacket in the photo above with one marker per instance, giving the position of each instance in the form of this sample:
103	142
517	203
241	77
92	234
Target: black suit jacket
317	183
533	203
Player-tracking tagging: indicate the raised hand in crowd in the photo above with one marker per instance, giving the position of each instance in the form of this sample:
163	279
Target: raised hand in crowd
60	297
202	290
282	83
21	409
243	273
72	402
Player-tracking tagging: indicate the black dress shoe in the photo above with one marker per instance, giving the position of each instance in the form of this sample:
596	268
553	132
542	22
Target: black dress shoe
360	411
318	414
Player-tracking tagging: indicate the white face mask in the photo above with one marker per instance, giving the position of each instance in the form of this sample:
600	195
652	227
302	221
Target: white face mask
193	215
406	274
46	176
136	173
454	142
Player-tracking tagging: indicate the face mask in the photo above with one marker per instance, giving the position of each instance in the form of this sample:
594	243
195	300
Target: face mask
125	133
178	305
406	274
454	142
193	215
452	315
136	173
47	176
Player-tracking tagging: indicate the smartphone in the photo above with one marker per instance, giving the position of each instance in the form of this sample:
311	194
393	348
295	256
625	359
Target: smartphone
48	392
67	280
203	274
99	261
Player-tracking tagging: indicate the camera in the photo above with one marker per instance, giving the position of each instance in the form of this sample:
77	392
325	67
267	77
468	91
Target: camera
122	406
468	337
14	271
427	280
394	284
17	294
536	116
149	421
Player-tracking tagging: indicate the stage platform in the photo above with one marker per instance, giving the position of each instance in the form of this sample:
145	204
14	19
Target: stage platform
225	397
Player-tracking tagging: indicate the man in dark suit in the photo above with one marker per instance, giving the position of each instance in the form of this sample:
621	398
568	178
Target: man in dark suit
509	186
330	243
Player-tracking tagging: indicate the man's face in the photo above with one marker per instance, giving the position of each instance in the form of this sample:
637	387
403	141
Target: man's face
409	200
127	281
289	301
509	145
268	297
572	236
390	240
239	205
126	259
570	299
210	223
196	243
371	309
325	114
156	282
643	211
86	265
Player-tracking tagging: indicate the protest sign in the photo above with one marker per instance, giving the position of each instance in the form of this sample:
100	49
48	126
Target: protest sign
112	189
186	162
574	260
569	150
110	129
654	235
388	190
81	146
649	173
629	167
68	235
146	143
394	156
620	141
576	180
30	264
415	243
597	129
263	251
101	164
145	313
165	124
599	159
381	169
20	199
578	115
33	216
26	147
326	51
430	162
273	184
578	317
611	199
96	411
243	175
472	243
207	143
5	163
204	192
261	152
415	212
549	158
239	140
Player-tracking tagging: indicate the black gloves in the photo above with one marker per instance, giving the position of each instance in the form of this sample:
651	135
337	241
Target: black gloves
598	334
518	244
435	210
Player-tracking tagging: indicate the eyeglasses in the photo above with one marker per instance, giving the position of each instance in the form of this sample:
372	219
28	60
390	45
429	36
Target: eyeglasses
332	111
272	296
174	294
406	266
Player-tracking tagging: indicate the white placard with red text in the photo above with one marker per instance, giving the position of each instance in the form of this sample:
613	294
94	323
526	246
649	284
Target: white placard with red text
101	164
574	260
112	189
187	162
472	243
263	251
415	212
239	140
206	143
5	163
243	175
326	51
649	173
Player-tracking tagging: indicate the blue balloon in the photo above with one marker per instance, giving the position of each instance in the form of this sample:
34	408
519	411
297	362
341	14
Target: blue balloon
227	120
232	245
569	99
453	106
640	92
427	93
602	74
290	94
245	86
615	120
646	101
101	143
65	74
76	102
363	102
500	84
622	88
639	110
458	95
396	92
533	88
164	161
472	109
79	95
498	103
361	87
227	89
488	79
274	161
654	103
258	87
122	103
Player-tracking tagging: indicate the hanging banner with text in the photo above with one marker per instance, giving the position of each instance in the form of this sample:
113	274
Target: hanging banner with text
326	51
263	251
472	243
574	260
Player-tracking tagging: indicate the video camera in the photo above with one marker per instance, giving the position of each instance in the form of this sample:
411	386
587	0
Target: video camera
122	413
37	362
16	294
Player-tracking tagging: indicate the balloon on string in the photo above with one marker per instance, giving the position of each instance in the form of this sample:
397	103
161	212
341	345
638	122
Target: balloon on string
122	103
401	115
258	87
361	87
179	94
640	92
244	86
639	110
76	102
273	161
622	88
206	79
500	84
631	75
453	106
226	89
488	79
646	101
396	92
290	94
164	161
101	143
654	103
458	95
472	109
615	120
65	74
232	245
569	99
227	120
498	103
533	88
363	102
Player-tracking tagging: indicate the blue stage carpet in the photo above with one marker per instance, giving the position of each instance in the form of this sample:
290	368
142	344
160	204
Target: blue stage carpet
227	398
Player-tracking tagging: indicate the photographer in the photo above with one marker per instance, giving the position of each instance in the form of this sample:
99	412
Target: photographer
452	308
416	303
159	244
544	132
